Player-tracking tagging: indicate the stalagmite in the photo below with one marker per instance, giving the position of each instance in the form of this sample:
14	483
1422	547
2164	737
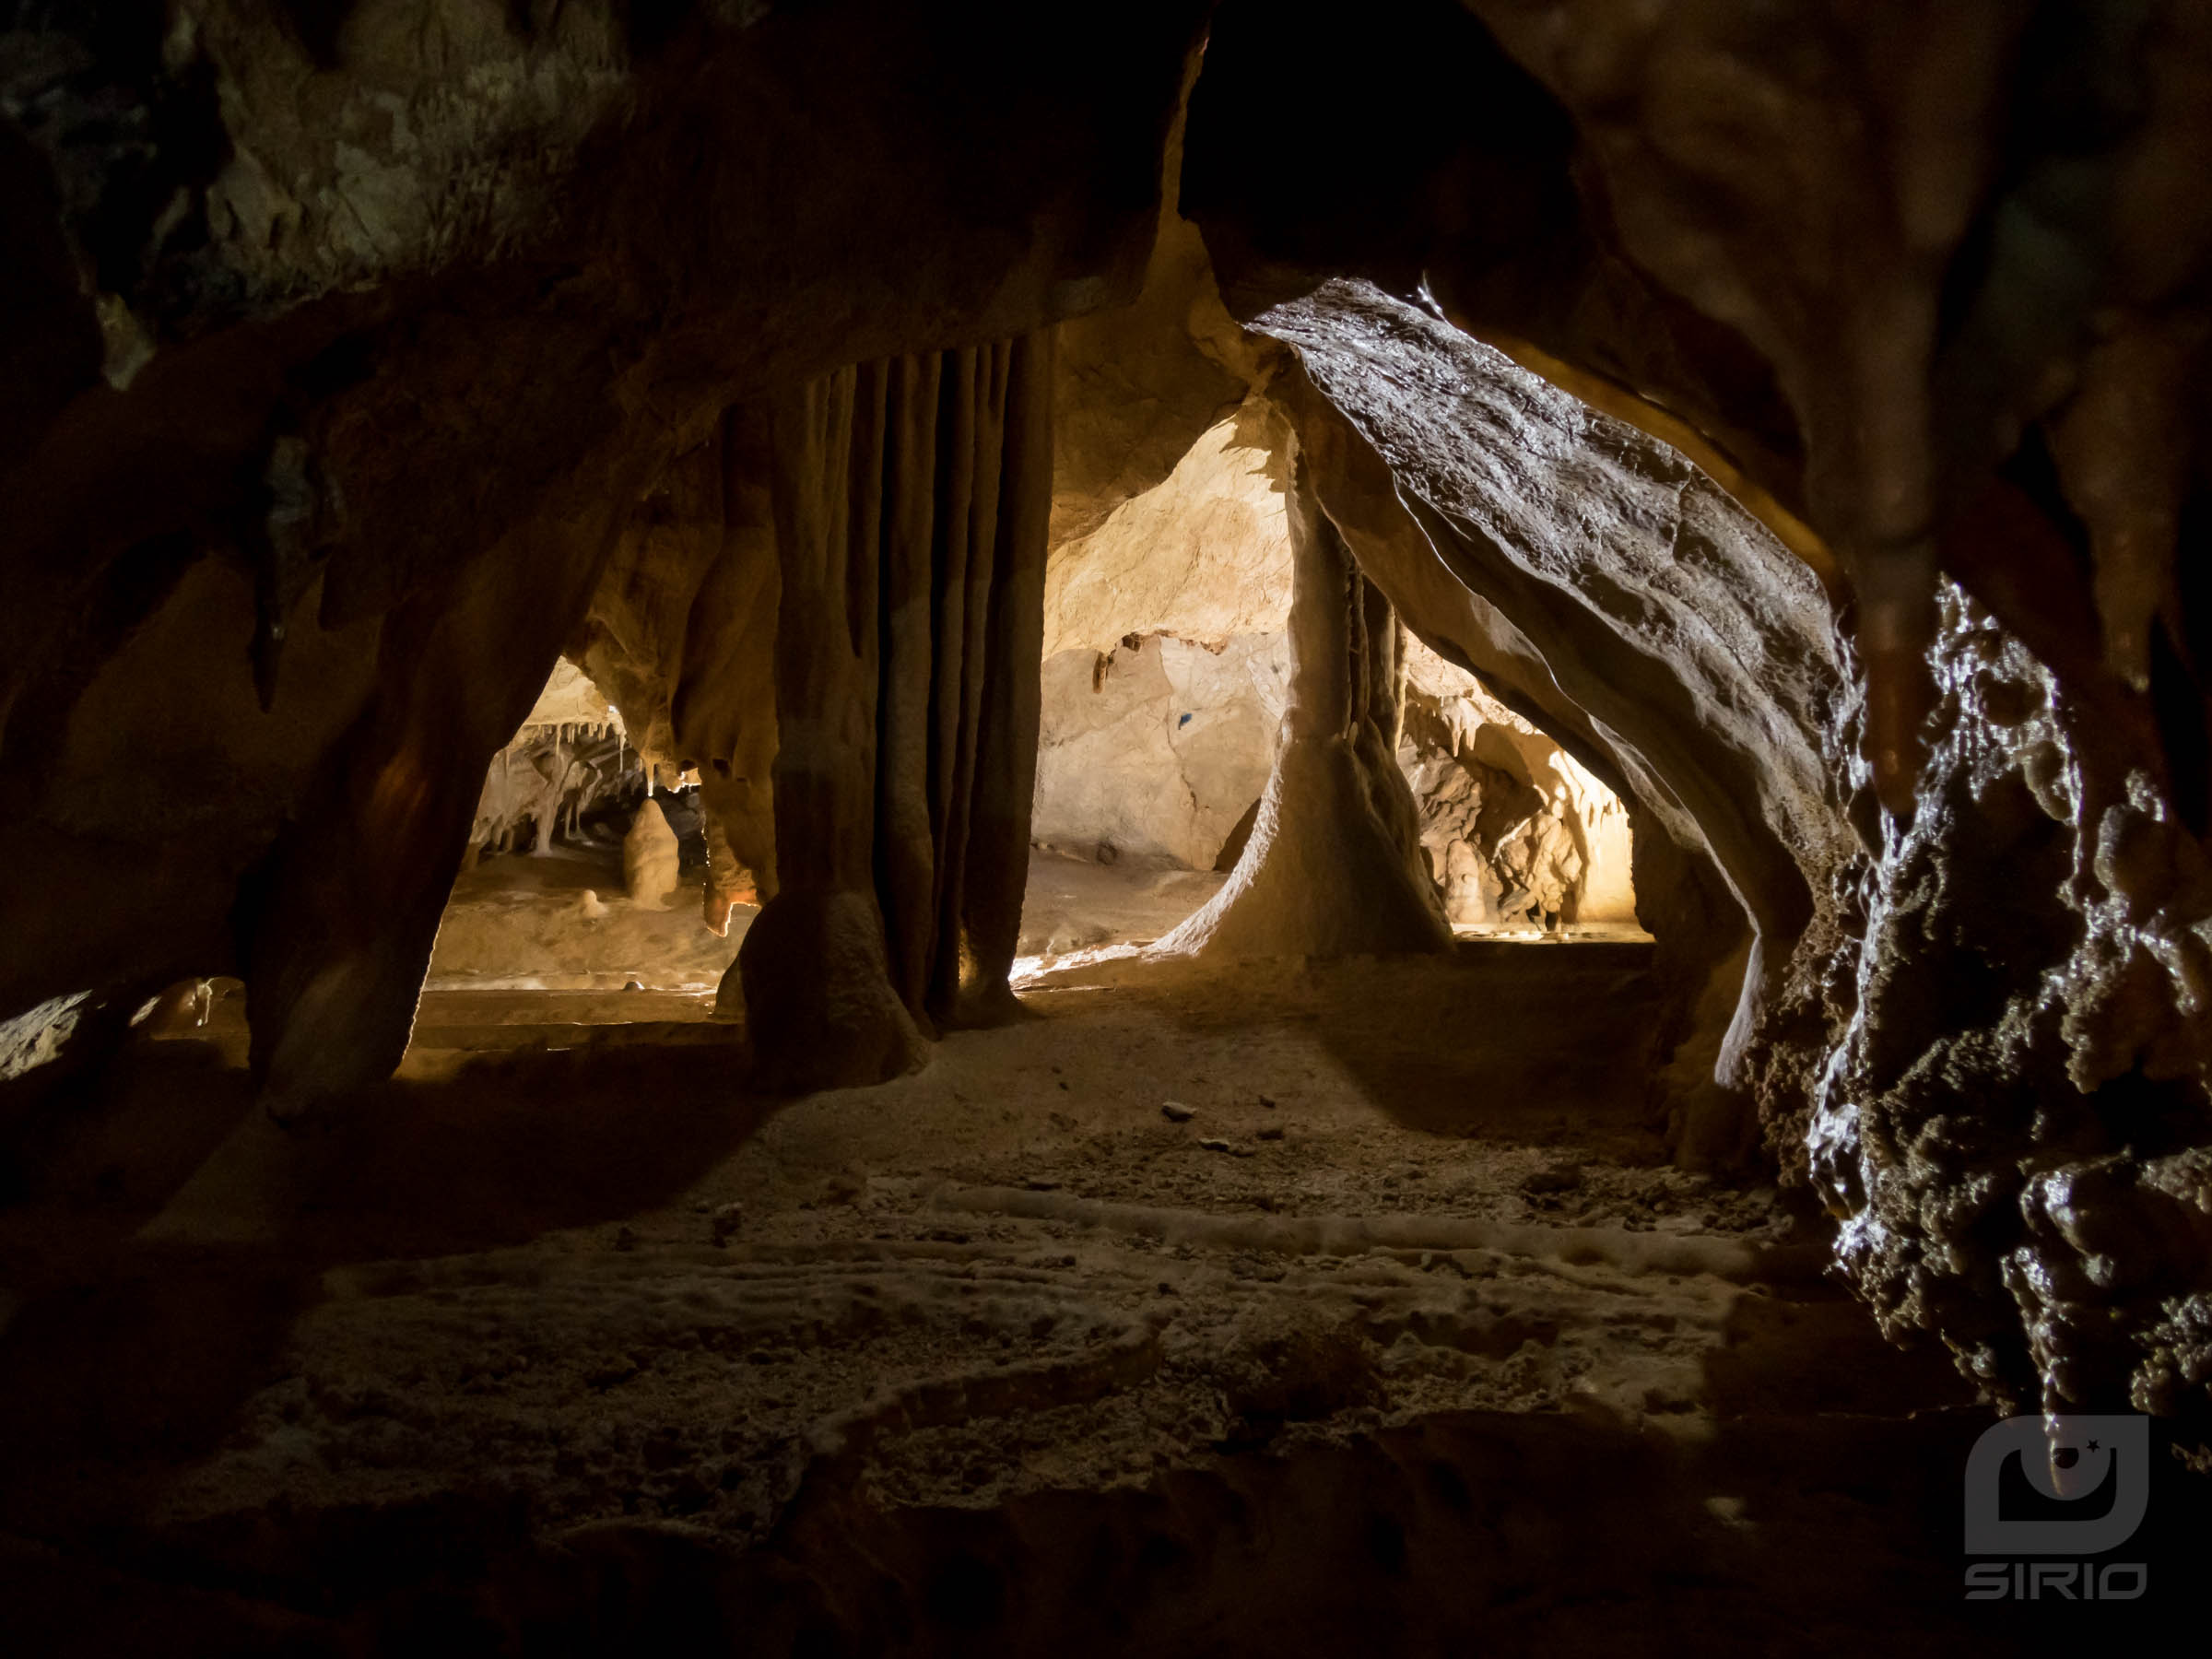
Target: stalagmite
1333	866
650	857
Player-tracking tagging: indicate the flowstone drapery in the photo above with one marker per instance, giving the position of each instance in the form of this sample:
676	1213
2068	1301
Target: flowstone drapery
910	504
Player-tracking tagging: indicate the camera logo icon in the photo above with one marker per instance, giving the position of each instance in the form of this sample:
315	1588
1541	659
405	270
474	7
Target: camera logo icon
2094	1472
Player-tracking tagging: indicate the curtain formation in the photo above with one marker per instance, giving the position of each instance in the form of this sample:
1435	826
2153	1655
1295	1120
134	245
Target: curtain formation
911	498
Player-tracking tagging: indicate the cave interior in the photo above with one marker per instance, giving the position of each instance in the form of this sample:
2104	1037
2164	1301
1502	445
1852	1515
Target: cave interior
1212	828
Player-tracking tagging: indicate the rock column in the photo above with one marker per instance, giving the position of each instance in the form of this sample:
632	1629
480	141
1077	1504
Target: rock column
1332	866
910	504
335	929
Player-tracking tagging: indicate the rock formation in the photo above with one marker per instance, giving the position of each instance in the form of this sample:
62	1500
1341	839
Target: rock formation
1157	747
1514	829
910	502
1794	413
1331	867
650	859
569	754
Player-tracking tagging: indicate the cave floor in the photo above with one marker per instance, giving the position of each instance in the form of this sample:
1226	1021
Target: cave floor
562	1342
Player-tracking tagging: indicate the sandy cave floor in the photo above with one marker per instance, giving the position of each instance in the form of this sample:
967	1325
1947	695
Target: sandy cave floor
1386	1330
560	922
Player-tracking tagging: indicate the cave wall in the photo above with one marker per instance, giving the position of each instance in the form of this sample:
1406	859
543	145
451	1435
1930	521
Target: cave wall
1513	827
365	340
1153	751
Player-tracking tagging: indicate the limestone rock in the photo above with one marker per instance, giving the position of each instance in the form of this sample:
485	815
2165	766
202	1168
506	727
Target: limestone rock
650	858
1514	828
1661	633
1330	868
1202	555
2053	1219
569	754
1157	746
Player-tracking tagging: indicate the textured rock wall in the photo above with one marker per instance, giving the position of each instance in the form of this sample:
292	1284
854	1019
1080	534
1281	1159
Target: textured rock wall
1652	625
1514	828
1156	749
1202	554
1166	665
2013	1122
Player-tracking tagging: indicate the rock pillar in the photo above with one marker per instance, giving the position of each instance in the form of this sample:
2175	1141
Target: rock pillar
1333	866
910	504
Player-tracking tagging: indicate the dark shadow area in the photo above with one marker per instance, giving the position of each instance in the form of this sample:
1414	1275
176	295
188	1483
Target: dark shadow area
1468	1532
178	1236
1547	1043
1542	1036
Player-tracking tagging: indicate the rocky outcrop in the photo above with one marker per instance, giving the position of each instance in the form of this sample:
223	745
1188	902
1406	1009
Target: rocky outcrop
1658	630
2013	1123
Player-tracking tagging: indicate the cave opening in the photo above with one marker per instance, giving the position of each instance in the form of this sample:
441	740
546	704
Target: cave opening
1166	669
588	867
